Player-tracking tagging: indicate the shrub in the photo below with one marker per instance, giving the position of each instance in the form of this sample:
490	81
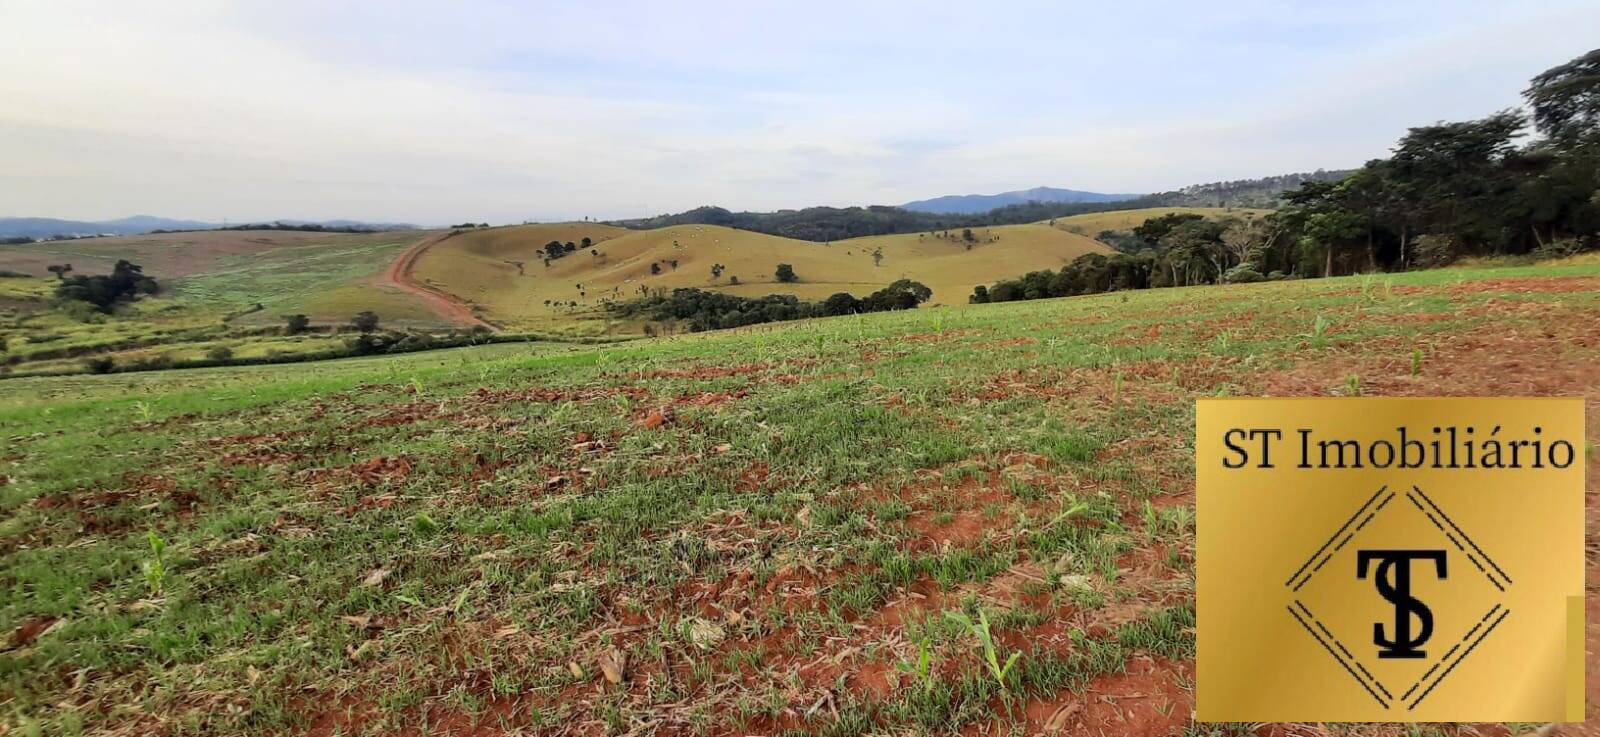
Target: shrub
219	353
1434	250
1242	274
785	274
1557	250
366	321
295	324
100	365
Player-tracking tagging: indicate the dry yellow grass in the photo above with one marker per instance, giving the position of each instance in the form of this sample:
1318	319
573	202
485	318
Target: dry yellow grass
1092	223
479	267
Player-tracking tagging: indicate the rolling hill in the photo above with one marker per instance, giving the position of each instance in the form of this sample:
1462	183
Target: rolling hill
497	273
972	204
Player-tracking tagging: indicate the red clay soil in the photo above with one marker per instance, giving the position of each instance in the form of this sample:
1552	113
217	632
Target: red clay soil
398	275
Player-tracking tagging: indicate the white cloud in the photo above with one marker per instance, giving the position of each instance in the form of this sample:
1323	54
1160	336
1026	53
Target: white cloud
501	112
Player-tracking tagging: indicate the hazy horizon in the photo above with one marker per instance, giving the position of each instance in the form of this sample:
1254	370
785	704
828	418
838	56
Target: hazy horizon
405	112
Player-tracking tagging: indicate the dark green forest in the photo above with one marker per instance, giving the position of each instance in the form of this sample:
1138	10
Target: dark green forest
823	224
1518	182
699	310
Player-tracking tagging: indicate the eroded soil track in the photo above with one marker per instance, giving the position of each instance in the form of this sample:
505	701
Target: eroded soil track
398	275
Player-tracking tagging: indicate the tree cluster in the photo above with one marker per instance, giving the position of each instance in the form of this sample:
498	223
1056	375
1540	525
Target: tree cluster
104	292
1449	191
701	310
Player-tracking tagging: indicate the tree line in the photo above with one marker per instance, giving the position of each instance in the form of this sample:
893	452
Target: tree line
826	224
1449	191
699	310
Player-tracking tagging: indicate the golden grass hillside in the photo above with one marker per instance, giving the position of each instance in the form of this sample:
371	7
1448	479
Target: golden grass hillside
497	272
1092	223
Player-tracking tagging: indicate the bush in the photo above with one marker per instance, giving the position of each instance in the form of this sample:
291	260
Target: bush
219	353
1274	275
295	324
100	365
365	321
1433	250
1242	274
785	274
1557	250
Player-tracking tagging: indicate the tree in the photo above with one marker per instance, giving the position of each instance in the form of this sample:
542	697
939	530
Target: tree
841	303
365	321
125	283
877	256
219	353
655	268
966	235
1566	99
980	295
716	271
586	242
295	324
60	270
785	274
903	294
1243	240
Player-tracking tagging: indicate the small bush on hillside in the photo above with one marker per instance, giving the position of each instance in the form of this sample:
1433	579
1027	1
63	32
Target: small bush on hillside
295	324
365	321
785	274
219	353
100	365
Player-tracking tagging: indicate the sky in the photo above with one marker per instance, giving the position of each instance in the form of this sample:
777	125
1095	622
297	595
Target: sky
436	113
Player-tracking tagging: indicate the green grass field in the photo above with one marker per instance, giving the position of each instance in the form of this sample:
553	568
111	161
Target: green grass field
733	533
217	287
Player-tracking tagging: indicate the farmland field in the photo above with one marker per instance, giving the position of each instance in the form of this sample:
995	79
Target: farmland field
731	533
218	288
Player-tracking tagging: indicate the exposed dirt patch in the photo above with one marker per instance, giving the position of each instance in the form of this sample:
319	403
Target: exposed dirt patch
1522	285
445	305
1148	700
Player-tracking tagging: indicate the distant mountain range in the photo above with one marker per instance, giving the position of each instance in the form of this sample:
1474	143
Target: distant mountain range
970	204
141	224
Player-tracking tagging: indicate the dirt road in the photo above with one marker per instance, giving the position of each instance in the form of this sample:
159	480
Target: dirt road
398	275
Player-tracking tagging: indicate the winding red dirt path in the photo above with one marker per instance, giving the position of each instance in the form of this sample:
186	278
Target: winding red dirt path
445	305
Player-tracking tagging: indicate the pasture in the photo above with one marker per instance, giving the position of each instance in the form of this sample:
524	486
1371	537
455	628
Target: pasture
833	526
497	273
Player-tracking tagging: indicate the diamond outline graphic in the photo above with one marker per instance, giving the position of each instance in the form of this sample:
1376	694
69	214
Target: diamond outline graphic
1347	660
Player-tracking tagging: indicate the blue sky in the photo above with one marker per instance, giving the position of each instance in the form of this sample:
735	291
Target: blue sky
435	112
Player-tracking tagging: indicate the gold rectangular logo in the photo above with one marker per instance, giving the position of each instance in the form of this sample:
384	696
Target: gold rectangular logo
1390	560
